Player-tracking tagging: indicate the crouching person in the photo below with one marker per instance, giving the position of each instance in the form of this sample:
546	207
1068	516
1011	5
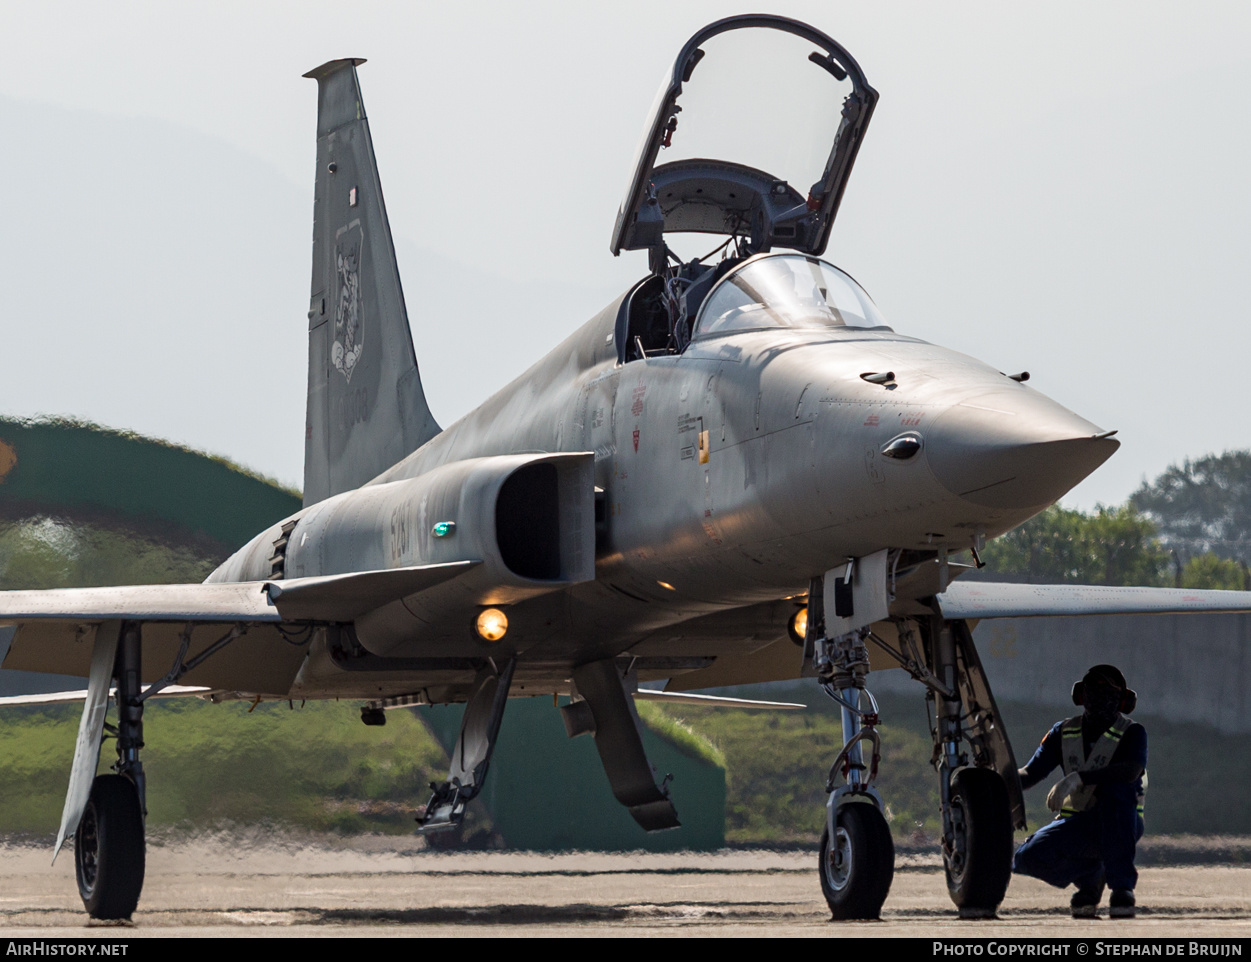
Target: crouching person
1098	802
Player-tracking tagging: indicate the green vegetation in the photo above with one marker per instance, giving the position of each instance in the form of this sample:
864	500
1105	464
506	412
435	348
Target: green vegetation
45	552
215	765
1203	505
1191	527
777	763
1112	546
679	734
1213	571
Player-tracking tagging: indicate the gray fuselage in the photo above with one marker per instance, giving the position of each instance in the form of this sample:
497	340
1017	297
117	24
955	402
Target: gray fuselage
730	475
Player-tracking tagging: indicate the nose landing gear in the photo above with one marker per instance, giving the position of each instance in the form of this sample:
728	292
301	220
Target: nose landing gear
980	794
857	860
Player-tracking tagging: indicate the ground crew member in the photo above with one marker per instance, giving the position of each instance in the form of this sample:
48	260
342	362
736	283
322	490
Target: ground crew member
1098	801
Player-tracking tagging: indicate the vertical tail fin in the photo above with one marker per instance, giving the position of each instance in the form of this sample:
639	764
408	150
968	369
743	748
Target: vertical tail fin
366	406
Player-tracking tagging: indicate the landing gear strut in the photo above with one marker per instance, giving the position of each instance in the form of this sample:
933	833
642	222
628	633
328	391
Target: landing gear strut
857	860
978	814
980	794
109	848
979	791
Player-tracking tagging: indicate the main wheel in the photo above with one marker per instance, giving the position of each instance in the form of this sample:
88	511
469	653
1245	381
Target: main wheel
979	865
109	849
858	863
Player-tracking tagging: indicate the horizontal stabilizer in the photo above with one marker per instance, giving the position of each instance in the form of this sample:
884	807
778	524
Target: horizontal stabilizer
69	697
983	599
714	701
344	597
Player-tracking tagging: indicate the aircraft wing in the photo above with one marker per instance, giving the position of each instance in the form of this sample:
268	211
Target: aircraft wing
71	697
326	598
56	628
246	601
983	599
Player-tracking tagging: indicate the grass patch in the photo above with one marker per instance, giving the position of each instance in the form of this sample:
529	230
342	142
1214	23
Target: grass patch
777	763
679	734
315	767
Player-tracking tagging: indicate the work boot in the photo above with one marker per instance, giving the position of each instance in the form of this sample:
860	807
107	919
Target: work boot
1121	904
1085	902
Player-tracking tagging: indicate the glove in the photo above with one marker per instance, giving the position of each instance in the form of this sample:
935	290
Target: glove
1062	790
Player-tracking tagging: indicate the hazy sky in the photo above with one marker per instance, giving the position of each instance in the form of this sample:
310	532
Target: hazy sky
1061	188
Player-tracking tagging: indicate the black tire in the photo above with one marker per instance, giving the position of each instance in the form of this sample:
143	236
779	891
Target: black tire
858	865
980	866
109	849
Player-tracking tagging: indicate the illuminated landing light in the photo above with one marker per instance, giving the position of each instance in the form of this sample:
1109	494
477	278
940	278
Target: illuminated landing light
444	529
665	584
492	624
797	627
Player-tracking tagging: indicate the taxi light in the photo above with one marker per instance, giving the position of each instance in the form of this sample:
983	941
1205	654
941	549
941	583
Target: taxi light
797	628
492	624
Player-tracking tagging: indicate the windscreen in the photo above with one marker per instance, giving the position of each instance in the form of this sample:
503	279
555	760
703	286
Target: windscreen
786	291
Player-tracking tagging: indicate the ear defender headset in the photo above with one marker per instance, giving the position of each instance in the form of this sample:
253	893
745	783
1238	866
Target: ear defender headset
1108	675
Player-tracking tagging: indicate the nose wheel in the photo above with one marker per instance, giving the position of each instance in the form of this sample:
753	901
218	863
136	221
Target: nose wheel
857	862
857	859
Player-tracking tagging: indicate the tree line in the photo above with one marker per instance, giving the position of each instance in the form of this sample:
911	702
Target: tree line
1189	528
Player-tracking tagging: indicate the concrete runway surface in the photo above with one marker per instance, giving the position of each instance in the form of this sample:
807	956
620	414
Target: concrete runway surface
386	887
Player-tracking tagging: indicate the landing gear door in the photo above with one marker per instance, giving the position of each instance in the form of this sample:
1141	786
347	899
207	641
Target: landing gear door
752	136
983	724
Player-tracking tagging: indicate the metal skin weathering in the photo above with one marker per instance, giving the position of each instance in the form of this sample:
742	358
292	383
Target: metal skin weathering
734	473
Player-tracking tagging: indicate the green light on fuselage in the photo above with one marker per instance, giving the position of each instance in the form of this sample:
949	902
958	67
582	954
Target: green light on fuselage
444	529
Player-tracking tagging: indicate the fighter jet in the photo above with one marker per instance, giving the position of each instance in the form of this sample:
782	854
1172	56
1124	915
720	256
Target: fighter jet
736	472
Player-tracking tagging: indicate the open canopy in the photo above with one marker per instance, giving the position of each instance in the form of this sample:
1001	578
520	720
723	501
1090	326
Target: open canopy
760	145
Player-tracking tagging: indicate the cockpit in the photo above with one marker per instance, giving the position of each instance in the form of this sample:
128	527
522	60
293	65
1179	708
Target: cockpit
737	169
785	291
781	291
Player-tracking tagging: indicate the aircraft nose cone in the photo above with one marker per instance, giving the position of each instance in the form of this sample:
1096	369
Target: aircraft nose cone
1013	449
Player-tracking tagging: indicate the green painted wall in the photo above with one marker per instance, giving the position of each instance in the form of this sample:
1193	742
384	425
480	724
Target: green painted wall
548	792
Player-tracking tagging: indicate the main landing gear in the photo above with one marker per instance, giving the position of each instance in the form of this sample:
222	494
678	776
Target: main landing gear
109	848
979	790
980	795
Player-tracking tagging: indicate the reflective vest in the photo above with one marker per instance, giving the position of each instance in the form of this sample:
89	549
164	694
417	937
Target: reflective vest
1074	759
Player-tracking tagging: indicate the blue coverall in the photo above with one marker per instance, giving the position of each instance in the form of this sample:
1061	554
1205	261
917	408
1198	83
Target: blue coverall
1097	844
